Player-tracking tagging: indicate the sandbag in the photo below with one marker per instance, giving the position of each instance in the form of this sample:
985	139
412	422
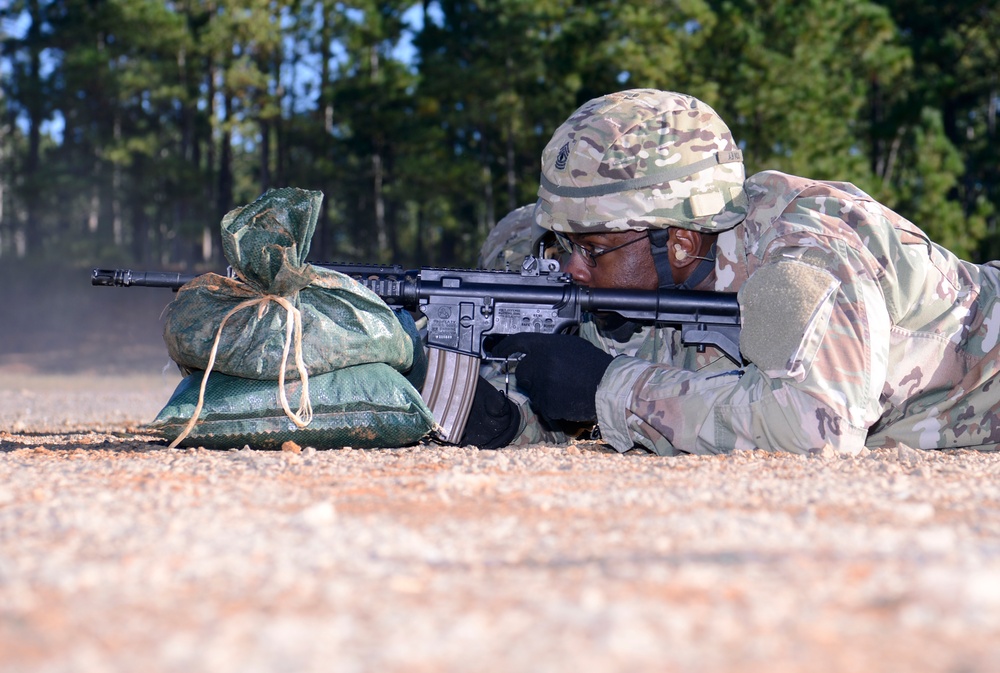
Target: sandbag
363	406
266	243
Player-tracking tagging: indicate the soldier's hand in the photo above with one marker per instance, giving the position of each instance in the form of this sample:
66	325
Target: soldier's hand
417	372
559	373
493	419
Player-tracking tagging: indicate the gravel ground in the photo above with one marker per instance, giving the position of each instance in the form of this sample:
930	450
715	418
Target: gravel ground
118	554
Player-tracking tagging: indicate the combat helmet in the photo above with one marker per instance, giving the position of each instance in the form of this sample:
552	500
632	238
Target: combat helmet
642	159
514	237
638	160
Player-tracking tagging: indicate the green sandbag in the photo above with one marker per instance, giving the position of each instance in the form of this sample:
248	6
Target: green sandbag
266	243
364	406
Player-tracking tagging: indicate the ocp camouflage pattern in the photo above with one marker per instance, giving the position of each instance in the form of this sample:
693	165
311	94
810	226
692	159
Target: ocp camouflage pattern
903	348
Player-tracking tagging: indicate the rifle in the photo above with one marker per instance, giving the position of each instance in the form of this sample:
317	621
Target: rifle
468	309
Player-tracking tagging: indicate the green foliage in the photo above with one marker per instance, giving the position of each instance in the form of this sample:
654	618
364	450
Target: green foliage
792	79
930	176
171	113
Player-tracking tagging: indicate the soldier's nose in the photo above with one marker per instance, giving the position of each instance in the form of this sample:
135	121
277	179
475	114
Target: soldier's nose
578	270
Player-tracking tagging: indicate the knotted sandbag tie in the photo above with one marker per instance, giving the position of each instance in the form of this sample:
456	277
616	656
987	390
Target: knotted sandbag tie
293	329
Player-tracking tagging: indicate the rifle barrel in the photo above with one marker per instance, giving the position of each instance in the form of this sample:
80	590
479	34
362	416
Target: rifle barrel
128	278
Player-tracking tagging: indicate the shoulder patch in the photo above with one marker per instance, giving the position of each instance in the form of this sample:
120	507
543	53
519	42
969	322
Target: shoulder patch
786	307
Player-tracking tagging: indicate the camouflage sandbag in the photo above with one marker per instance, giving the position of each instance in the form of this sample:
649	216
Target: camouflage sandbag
341	323
364	406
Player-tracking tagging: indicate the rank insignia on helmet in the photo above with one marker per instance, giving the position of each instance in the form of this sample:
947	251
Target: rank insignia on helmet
563	157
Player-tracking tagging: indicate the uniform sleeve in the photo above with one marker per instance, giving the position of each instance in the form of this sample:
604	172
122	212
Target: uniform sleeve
816	332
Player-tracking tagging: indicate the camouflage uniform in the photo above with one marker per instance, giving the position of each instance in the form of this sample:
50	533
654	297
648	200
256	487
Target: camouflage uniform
858	329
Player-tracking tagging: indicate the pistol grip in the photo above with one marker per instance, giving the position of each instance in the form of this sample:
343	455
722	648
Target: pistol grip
449	389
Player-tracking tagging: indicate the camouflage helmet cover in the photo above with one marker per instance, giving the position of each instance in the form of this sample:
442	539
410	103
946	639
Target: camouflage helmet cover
642	159
513	238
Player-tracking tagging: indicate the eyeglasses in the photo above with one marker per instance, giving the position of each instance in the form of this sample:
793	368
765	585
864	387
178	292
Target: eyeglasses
589	255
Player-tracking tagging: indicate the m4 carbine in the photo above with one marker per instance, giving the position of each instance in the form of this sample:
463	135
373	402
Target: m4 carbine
468	309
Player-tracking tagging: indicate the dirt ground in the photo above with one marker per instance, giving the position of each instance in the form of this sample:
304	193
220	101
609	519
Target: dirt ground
118	554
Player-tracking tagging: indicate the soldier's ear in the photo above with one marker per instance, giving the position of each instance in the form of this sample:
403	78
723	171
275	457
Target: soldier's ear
685	247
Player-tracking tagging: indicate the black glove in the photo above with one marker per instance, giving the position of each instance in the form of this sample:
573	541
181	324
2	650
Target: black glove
418	370
559	373
493	419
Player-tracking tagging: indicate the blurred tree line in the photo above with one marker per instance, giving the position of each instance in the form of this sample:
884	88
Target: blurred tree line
128	128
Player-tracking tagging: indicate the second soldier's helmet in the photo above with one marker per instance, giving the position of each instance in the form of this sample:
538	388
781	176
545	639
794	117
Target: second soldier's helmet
513	238
642	159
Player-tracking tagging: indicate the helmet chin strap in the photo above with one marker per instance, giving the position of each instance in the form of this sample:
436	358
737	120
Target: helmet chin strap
658	239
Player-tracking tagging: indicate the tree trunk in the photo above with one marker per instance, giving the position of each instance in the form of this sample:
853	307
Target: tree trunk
224	192
211	186
117	223
139	217
511	169
379	204
381	234
265	155
33	235
489	209
323	240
